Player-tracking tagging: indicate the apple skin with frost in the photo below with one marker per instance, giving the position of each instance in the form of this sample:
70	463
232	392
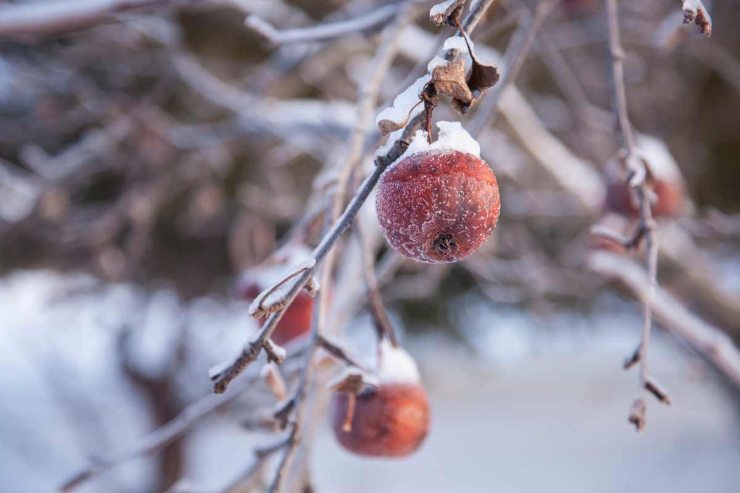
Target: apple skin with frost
439	205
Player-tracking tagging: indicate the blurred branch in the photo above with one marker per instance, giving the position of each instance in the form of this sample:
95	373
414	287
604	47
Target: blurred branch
708	340
54	17
162	436
377	308
516	53
322	32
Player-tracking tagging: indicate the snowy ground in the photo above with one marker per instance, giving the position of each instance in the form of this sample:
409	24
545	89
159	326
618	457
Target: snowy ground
537	410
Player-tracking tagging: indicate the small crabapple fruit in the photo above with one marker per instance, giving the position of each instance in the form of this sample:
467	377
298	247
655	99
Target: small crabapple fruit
670	198
438	206
663	176
387	420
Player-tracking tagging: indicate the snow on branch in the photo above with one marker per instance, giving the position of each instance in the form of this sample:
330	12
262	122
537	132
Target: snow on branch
695	11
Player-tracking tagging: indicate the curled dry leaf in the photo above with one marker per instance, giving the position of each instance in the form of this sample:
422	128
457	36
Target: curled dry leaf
483	75
695	11
449	79
448	12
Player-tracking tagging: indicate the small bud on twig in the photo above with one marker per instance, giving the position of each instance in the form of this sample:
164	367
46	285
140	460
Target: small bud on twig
637	414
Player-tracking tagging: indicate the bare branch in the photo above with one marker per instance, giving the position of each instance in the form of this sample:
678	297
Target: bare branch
377	308
707	340
162	436
637	179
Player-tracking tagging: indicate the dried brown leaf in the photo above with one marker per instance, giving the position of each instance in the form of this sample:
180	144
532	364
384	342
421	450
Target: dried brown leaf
449	79
482	76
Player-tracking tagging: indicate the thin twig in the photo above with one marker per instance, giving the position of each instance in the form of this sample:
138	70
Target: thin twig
338	352
637	179
709	341
380	316
161	436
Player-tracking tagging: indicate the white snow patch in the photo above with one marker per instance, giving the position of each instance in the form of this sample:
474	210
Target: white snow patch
435	62
396	365
438	12
406	105
659	158
456	43
452	136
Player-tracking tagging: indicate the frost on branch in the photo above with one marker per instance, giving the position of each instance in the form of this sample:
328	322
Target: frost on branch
277	279
447	12
695	11
405	106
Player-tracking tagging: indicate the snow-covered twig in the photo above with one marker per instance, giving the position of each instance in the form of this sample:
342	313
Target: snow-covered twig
695	11
254	347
